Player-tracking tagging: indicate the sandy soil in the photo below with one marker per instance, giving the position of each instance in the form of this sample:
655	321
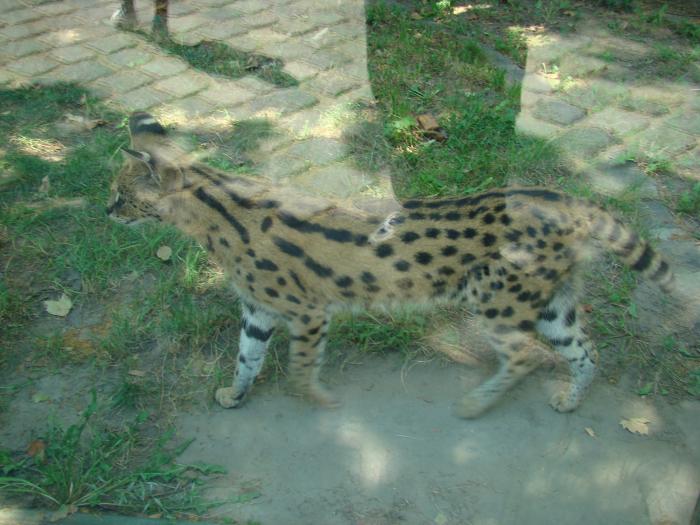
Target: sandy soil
394	454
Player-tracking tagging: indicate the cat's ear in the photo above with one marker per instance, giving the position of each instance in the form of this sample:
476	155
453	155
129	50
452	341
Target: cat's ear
144	158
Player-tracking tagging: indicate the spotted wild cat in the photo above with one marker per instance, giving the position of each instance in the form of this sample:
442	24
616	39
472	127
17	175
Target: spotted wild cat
511	255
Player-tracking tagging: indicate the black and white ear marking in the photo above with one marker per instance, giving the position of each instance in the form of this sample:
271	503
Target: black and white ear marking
142	122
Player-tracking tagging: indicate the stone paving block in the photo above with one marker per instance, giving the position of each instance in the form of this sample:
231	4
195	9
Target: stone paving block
331	84
687	121
32	65
131	57
305	123
689	164
616	180
17	32
323	37
536	84
648	107
183	84
318	151
84	71
227	94
224	13
581	66
249	6
71	54
662	141
526	124
21	48
329	17
668	97
243	43
281	166
258	20
300	70
266	36
253	84
584	142
112	43
283	101
222	30
142	98
214	3
353	29
327	59
658	220
287	51
296	25
340	180
187	23
101	13
193	106
19	16
58	8
557	111
356	49
6	77
66	37
124	80
164	67
617	121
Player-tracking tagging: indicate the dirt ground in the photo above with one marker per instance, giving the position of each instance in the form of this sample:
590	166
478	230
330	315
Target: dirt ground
394	453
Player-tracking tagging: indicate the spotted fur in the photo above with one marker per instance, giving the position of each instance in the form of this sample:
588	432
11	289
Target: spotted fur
511	255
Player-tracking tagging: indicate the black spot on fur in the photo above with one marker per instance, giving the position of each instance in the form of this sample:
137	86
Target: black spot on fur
469	233
446	270
548	315
491	313
224	242
449	250
281	281
402	265
292	299
452	234
526	326
489	218
467	258
409	237
384	250
344	282
505	219
288	247
367	277
266	264
272	292
318	268
265	224
423	258
488	239
432	233
507	312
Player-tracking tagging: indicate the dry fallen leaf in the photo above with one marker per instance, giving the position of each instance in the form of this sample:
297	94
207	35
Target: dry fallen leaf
137	373
59	308
636	425
37	450
590	432
45	185
588	308
416	15
427	122
164	253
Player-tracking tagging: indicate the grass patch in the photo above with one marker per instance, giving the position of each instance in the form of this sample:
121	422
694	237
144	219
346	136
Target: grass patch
86	465
418	68
218	58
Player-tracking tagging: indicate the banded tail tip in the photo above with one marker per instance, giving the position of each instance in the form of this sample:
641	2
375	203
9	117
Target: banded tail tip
142	122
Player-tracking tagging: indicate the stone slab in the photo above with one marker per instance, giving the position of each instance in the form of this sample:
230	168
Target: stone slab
227	94
557	111
618	121
84	71
32	65
526	124
164	67
584	142
72	54
617	180
112	43
663	140
182	85
132	57
124	80
337	180
318	151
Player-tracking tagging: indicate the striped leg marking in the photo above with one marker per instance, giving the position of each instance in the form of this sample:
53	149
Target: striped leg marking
256	331
560	325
